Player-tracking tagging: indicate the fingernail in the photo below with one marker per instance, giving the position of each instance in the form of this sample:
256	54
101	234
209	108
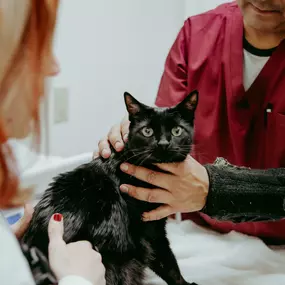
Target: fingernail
124	188
57	217
125	138
105	153
118	145
145	218
124	167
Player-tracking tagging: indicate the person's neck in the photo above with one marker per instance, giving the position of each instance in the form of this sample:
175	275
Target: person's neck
263	40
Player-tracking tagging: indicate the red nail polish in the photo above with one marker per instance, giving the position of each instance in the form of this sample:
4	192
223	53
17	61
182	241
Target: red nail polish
57	217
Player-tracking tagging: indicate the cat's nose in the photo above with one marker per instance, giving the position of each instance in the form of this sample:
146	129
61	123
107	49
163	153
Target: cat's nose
164	144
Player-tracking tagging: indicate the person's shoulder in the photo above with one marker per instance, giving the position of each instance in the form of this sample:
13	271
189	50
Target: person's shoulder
218	16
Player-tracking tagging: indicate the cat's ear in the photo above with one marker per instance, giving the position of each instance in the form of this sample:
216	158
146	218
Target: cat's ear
190	102
133	105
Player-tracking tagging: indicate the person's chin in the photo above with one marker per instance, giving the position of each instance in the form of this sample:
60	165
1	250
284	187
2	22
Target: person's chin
254	13
260	23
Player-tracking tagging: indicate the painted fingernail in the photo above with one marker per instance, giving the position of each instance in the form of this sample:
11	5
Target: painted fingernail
124	188
124	167
57	217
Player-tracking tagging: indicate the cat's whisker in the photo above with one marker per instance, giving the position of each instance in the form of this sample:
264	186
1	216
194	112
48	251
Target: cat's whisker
147	157
193	152
137	154
136	149
180	149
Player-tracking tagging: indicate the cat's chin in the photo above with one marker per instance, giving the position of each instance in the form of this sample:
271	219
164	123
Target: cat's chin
154	160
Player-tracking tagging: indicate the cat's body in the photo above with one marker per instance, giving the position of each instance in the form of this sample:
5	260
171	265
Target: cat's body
94	208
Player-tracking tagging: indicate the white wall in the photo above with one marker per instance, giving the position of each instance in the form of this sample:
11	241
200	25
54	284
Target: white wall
106	47
194	7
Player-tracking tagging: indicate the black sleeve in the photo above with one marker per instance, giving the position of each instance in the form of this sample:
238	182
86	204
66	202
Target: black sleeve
241	194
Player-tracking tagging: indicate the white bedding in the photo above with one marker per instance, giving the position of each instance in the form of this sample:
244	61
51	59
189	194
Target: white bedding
210	258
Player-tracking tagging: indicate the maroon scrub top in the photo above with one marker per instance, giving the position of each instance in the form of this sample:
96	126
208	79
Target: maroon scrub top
229	122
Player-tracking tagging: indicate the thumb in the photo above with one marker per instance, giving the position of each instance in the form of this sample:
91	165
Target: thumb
55	233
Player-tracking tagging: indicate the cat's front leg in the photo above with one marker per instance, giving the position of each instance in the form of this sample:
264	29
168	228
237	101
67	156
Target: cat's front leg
162	261
129	273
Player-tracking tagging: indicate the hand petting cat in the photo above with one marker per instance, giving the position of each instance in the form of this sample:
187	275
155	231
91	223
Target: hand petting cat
184	190
117	136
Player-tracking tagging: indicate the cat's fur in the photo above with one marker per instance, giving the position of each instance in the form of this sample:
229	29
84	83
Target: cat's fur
94	209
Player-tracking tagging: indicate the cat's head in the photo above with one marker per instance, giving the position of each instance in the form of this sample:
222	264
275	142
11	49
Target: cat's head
161	134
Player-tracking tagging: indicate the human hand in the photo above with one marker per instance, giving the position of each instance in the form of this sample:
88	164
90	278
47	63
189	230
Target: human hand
77	258
21	226
184	189
117	137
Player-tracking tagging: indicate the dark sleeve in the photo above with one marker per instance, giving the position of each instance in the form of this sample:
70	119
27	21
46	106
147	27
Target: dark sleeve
242	194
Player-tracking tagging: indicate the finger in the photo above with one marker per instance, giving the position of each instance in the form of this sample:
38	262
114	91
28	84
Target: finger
115	138
55	233
104	148
21	226
160	180
148	195
98	255
125	125
158	214
95	154
169	167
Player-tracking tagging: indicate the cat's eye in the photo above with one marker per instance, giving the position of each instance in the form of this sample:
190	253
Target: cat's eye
176	131
147	132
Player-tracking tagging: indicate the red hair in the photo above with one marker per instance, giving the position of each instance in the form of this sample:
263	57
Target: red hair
36	38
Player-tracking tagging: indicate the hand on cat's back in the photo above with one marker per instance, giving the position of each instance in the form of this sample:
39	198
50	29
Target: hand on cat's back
116	137
184	189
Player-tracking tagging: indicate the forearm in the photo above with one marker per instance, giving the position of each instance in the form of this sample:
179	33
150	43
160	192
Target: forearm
241	194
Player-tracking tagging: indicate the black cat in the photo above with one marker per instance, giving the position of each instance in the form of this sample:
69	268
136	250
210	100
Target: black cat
94	208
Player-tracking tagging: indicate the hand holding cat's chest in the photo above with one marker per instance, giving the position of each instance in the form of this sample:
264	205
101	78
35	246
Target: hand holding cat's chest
131	180
136	207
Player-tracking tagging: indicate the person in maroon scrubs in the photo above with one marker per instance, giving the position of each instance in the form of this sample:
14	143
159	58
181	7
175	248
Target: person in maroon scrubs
234	56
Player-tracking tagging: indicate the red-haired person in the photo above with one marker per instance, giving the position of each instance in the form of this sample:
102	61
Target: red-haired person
26	60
